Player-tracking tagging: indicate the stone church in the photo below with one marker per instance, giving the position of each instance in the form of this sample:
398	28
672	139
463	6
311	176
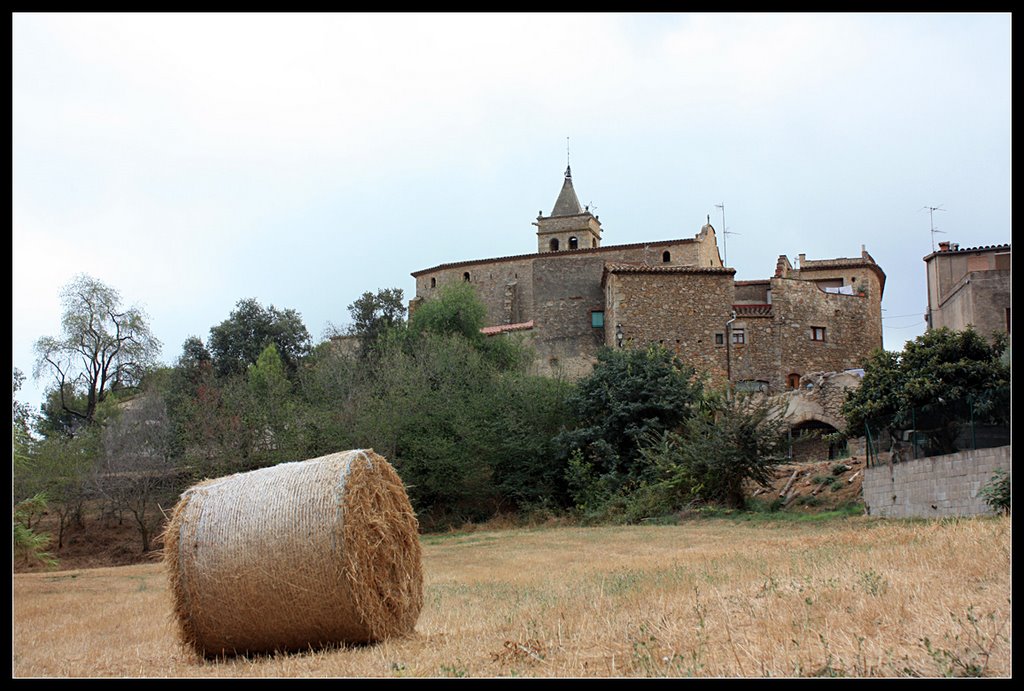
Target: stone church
574	295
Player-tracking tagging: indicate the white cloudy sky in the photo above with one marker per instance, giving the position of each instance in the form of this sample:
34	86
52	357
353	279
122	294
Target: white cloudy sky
193	160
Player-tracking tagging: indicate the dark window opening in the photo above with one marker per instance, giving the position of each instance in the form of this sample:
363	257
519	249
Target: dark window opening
574	243
817	333
554	244
433	283
593	242
666	257
465	277
719	339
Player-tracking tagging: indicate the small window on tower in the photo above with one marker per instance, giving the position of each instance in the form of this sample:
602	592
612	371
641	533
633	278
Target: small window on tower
465	277
574	243
433	283
554	244
666	257
593	242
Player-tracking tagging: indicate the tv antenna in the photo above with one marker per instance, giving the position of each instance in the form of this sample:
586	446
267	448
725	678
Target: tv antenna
725	235
931	220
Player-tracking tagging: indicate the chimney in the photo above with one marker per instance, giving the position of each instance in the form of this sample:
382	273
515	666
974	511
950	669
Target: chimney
943	246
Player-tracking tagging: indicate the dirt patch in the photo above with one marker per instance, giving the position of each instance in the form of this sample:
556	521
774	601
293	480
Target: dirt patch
100	542
815	486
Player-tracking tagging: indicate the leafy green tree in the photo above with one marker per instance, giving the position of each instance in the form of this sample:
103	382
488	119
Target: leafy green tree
237	342
630	394
102	347
729	443
455	310
62	470
373	314
941	380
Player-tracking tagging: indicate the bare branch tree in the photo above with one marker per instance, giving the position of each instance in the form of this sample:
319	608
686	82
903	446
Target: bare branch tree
102	346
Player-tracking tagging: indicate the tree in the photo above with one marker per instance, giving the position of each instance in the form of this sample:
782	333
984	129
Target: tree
631	393
237	342
373	314
941	380
103	347
455	310
717	451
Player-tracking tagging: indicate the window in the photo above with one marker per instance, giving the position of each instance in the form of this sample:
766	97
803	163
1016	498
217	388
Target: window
739	336
666	257
593	242
465	277
433	283
719	339
554	244
574	243
817	333
597	319
793	381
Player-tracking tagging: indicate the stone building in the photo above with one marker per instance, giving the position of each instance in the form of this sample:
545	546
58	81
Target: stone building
575	295
969	286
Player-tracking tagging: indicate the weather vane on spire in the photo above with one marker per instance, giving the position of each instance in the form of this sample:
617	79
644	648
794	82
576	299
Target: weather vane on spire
567	168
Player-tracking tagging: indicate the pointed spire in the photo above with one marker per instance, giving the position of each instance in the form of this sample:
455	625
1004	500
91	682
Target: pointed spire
567	203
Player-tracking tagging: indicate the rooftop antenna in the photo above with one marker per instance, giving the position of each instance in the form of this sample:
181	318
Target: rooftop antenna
567	154
931	220
725	235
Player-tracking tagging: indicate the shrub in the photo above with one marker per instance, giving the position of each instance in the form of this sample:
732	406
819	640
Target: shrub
997	492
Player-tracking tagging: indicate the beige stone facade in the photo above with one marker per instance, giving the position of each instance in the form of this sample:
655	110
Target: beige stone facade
969	287
816	316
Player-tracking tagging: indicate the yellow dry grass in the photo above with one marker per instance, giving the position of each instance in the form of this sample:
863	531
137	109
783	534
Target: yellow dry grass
714	598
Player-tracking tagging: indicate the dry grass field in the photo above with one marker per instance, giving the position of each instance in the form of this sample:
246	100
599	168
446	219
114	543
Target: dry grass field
855	597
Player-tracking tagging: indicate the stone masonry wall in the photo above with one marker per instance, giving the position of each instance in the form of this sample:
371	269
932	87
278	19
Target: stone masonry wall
683	311
936	486
853	328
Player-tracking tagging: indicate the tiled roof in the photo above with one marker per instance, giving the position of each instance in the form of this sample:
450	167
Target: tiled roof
505	328
625	268
961	250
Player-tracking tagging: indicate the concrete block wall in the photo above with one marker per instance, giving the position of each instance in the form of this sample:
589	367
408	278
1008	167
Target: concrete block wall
933	487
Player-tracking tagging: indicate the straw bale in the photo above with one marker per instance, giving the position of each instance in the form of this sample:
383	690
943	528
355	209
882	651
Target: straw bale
294	556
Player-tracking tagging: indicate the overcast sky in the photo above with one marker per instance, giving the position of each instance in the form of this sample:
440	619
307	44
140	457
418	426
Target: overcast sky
194	160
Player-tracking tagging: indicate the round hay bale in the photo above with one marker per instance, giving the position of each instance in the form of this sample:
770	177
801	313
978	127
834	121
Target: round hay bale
294	556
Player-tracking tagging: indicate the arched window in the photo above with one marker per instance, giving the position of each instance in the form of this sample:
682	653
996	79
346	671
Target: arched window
573	243
433	283
593	242
465	277
666	257
554	244
793	381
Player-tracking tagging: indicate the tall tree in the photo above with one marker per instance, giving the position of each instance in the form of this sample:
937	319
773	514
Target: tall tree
941	380
102	347
631	393
237	342
373	314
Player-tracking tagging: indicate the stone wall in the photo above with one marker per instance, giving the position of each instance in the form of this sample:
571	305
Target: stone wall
853	328
678	308
936	486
